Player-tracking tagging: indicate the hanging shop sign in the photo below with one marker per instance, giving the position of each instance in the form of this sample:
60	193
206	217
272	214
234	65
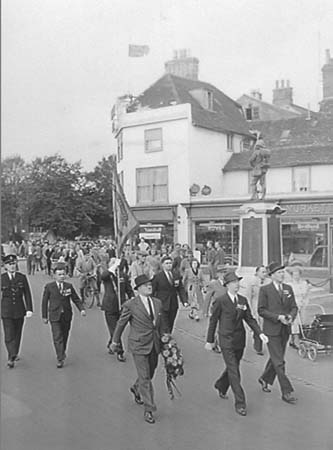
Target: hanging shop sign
151	231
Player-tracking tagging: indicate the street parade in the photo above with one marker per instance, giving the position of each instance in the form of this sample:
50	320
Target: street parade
167	238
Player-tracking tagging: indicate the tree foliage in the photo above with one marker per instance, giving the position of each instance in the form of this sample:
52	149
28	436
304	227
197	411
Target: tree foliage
52	194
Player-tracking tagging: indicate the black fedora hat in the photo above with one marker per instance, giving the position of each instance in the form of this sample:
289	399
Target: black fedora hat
141	279
229	277
274	267
9	259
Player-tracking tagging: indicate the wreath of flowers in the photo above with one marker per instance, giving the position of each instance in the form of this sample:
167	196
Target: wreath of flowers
173	363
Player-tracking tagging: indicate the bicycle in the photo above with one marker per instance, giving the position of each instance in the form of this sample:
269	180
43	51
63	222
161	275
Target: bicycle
90	291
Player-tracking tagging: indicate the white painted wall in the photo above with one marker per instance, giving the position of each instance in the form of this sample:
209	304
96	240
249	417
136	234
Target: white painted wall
279	181
322	178
208	155
174	154
236	184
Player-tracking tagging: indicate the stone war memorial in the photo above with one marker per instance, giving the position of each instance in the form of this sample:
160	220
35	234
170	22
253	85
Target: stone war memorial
260	224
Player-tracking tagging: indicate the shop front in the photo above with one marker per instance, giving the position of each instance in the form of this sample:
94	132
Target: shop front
216	223
157	225
306	234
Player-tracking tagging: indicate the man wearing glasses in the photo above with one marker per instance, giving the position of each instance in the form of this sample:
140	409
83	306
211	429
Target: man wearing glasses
16	304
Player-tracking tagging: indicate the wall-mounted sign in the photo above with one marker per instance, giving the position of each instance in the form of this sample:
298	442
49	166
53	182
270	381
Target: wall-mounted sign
206	190
194	189
151	231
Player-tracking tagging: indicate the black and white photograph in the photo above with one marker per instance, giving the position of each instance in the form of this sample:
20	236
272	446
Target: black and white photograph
166	225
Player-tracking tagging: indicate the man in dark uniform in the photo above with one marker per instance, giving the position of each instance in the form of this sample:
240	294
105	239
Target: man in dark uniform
230	310
56	308
167	286
16	304
110	302
277	306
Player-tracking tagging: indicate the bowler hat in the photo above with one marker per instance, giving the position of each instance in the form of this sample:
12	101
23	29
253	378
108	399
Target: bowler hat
9	259
274	267
59	266
229	277
141	279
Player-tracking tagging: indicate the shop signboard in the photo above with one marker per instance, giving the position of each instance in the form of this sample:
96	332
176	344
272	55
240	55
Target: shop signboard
151	231
308	226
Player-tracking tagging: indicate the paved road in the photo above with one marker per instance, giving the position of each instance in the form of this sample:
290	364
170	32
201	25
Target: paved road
87	406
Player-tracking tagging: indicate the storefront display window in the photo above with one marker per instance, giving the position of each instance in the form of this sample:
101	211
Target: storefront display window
227	232
305	241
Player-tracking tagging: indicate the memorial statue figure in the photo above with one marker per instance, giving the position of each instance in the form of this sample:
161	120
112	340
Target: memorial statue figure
259	162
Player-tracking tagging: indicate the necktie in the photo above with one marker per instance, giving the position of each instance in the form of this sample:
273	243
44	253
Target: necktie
235	300
61	288
170	277
151	312
280	291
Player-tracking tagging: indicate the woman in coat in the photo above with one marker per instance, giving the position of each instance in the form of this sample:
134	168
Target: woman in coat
194	282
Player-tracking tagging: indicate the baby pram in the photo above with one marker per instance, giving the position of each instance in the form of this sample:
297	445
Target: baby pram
317	336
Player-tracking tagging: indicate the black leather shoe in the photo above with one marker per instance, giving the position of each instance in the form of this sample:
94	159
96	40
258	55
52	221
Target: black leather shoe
10	364
149	417
241	411
137	396
289	398
264	385
221	394
121	357
60	364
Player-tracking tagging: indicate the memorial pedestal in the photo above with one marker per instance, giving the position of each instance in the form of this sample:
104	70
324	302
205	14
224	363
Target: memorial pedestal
260	235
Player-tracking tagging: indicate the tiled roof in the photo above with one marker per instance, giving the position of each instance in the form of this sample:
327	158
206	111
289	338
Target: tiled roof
300	131
227	115
285	157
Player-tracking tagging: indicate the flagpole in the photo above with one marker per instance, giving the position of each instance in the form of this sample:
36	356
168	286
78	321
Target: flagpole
115	225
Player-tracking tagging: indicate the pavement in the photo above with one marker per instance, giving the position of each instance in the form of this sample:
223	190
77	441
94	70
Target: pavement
87	404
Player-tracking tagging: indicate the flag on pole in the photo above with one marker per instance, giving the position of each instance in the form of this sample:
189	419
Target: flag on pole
136	51
125	222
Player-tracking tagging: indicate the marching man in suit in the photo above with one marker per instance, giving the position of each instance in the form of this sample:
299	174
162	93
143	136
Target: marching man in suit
16	304
167	286
57	309
230	310
144	313
278	308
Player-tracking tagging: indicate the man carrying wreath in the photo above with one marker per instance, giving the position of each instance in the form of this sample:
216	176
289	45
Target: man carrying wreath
147	325
230	310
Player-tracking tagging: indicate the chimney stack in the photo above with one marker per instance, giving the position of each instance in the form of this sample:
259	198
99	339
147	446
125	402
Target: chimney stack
282	94
328	76
183	65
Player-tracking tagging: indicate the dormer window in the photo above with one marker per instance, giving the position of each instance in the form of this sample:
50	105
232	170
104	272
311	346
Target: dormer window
210	99
204	97
252	112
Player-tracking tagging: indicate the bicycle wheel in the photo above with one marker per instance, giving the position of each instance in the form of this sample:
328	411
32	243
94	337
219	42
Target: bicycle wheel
89	297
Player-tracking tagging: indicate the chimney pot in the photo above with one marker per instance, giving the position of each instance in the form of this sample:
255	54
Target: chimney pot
277	84
328	55
288	83
282	83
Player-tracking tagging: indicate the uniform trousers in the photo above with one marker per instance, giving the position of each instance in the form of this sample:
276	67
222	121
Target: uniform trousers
111	322
276	364
170	317
60	331
231	375
145	367
12	329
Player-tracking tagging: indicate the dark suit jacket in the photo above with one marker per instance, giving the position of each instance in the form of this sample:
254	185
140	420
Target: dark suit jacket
110	302
54	303
16	296
270	306
168	293
144	334
231	328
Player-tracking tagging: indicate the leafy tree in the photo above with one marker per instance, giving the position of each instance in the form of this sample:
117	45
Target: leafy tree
55	199
13	189
98	190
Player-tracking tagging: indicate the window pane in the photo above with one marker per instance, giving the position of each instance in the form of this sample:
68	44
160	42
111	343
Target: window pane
152	185
153	140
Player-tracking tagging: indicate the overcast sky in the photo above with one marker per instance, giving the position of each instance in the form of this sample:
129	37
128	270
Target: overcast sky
64	62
